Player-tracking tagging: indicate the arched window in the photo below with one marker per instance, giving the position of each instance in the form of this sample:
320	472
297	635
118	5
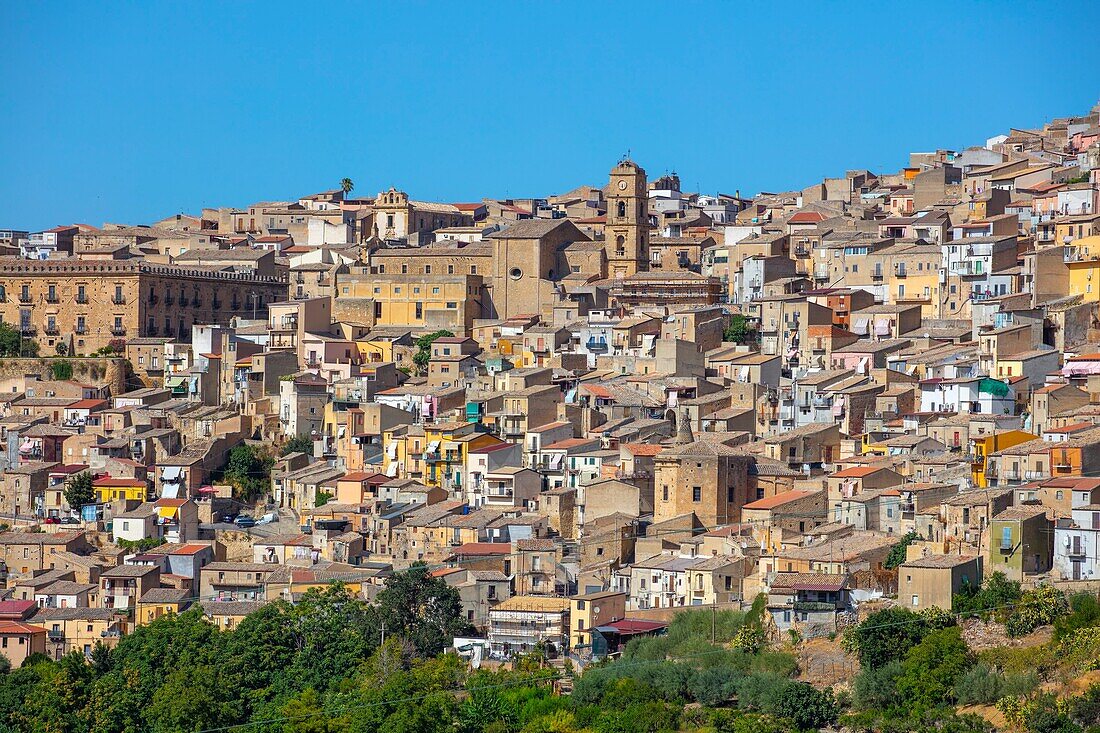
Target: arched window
622	209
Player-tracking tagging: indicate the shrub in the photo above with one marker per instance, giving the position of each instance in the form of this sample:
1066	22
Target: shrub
1084	613
877	688
1038	608
932	667
61	369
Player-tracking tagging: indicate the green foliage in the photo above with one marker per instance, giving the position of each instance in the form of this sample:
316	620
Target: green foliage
932	667
79	491
423	610
297	444
997	594
1037	608
897	552
1084	613
323	497
424	349
888	634
1079	650
346	185
984	685
248	471
10	340
142	545
877	689
61	369
739	330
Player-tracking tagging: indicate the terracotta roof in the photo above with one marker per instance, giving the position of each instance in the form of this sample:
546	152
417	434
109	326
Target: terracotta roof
16	627
809	581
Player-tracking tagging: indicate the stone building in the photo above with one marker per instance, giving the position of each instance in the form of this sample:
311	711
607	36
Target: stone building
86	303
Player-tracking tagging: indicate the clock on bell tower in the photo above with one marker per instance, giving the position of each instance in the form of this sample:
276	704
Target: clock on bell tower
626	236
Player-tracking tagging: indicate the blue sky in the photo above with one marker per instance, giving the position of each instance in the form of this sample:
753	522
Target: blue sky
129	112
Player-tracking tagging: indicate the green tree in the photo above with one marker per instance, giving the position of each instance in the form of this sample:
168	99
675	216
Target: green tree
79	491
897	552
877	689
297	444
996	594
346	185
322	498
248	471
804	705
424	349
739	330
884	636
421	609
932	667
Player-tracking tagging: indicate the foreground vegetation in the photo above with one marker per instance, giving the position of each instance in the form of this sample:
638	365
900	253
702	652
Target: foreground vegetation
321	666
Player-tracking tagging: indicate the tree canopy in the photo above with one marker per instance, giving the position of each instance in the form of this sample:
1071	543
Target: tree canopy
79	491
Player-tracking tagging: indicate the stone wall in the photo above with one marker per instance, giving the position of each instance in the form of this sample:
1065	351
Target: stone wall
112	371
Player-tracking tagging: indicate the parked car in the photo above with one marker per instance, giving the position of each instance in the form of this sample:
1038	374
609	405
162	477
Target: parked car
51	520
70	520
244	521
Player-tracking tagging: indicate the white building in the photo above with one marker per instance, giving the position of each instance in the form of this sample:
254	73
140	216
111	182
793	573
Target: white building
1077	544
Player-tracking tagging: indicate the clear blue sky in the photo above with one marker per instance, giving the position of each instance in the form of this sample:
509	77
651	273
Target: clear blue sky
128	112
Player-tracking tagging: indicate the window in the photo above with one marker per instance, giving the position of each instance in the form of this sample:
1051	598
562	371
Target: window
450	269
664	493
730	494
452	304
473	269
515	273
916	600
404	269
696	493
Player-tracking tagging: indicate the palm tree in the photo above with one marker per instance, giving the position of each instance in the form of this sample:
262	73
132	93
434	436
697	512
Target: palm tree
346	186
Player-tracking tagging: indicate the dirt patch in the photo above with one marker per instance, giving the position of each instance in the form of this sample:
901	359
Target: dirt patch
989	712
981	635
824	663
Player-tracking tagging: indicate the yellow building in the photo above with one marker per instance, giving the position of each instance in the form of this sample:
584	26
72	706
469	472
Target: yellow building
431	300
982	446
447	447
160	602
404	451
1082	258
108	489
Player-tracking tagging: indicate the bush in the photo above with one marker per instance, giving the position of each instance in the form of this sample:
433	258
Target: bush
932	667
1084	613
876	689
1037	608
898	551
889	634
982	684
61	369
996	594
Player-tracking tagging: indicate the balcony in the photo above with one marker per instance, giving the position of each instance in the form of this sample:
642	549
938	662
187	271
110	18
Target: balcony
25	298
53	298
55	635
81	330
82	299
876	274
900	272
154	299
117	300
52	330
216	304
169	300
1005	546
118	330
596	345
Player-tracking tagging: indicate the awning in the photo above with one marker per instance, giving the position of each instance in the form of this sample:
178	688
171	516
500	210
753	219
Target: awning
432	447
170	491
860	327
166	512
994	387
391	451
175	382
26	447
171	473
391	470
744	376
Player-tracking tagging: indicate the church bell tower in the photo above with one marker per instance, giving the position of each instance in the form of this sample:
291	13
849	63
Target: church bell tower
626	236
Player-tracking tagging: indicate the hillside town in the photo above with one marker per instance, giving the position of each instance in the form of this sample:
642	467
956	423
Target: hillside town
584	411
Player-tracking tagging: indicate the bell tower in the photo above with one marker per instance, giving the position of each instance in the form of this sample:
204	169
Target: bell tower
626	236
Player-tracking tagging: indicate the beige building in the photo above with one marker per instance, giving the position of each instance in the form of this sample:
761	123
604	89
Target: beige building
933	580
88	303
590	610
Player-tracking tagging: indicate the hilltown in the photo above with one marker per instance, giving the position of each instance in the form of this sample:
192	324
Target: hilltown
583	411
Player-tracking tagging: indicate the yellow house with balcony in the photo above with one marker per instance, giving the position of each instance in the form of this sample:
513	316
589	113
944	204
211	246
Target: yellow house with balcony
108	489
403	451
982	446
1082	258
447	447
